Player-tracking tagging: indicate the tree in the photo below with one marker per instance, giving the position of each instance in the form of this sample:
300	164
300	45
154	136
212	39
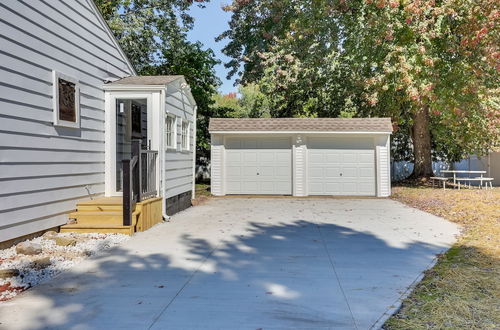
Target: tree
430	65
251	103
153	35
197	67
144	28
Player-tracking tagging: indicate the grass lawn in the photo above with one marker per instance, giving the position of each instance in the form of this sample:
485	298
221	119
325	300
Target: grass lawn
462	291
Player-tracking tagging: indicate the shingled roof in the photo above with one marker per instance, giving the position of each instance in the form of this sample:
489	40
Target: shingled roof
301	124
145	80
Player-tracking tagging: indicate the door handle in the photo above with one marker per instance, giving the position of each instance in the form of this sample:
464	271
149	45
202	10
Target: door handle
340	174
258	173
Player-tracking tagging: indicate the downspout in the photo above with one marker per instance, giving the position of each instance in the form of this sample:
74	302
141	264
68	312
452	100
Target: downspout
163	100
193	193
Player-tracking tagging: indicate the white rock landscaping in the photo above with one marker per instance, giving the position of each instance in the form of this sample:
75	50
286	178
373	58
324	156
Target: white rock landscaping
22	270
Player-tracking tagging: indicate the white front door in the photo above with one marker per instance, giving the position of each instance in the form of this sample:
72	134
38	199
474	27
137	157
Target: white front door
130	118
255	165
341	167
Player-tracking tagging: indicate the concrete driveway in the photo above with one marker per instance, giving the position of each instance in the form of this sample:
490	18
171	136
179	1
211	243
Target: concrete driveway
240	263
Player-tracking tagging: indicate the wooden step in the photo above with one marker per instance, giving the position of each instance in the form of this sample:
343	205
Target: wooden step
110	218
83	229
101	204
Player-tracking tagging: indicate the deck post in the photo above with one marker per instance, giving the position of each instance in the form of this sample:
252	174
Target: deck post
127	193
137	176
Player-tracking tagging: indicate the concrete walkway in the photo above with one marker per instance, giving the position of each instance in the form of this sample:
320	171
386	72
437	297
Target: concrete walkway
239	263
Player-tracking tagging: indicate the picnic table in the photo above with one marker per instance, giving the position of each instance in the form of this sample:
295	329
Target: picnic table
466	179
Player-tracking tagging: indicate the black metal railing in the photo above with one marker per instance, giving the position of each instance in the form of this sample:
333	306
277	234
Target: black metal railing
139	179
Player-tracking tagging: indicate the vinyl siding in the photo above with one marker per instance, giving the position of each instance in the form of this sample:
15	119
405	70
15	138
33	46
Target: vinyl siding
44	170
299	165
217	165
178	167
383	168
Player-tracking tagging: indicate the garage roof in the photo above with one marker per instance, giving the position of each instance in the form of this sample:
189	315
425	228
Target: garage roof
354	125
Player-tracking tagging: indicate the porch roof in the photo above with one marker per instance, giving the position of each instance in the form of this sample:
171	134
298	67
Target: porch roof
145	80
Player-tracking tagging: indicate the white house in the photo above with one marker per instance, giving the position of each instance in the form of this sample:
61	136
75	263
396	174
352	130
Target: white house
69	117
301	156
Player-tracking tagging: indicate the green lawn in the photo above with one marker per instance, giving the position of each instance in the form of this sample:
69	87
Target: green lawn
462	291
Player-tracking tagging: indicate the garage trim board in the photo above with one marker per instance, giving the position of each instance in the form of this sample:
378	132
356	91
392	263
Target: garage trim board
301	156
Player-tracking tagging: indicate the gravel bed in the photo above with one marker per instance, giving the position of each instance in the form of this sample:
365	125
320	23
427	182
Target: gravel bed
61	258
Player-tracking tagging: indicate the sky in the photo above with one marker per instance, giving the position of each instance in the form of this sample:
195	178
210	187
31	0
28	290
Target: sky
209	23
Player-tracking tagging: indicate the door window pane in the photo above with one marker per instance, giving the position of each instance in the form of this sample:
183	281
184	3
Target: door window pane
131	123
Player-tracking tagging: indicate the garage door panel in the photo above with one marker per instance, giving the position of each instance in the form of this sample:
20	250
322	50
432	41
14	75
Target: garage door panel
341	171
331	172
266	171
316	172
248	172
367	158
349	172
283	157
366	187
333	187
315	157
332	158
233	158
349	157
233	170
366	172
350	188
265	166
250	156
266	157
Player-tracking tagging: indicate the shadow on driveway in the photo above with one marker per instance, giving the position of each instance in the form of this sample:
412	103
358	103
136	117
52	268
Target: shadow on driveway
283	274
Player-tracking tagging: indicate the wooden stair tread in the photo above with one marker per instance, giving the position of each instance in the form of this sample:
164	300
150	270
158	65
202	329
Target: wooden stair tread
96	213
103	201
78	225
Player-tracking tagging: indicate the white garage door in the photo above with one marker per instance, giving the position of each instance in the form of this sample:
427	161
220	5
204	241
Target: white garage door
341	166
258	166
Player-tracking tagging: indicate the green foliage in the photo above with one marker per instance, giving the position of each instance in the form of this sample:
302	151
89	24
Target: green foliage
252	103
153	35
197	67
366	58
145	28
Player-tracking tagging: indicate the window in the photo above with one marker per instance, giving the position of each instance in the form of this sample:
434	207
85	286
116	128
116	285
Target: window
170	131
66	100
185	135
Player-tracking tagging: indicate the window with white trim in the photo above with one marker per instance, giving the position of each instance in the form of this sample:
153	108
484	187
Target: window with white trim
185	135
65	100
170	131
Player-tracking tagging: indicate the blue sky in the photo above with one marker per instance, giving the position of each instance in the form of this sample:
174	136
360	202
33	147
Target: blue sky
209	23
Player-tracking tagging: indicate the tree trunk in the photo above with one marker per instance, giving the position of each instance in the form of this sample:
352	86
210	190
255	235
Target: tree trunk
421	137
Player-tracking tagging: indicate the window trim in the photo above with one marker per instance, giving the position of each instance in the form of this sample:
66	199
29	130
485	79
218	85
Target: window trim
187	148
55	100
174	131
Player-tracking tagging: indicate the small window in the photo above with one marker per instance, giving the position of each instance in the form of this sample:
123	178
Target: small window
185	135
170	131
66	100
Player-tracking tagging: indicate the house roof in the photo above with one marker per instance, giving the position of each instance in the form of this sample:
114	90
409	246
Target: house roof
300	125
145	80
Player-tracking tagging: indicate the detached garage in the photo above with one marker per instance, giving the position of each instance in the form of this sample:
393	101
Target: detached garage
300	156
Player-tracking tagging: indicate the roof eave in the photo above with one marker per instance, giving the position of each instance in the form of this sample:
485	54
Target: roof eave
301	132
118	87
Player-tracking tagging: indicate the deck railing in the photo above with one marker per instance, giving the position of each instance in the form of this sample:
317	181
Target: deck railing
139	179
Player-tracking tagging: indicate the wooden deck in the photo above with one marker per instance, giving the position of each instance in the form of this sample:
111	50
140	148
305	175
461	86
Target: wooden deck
105	215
